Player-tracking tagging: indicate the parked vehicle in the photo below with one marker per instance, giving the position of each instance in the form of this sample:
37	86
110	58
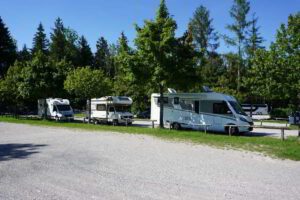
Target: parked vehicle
257	109
144	114
294	118
112	109
55	108
188	110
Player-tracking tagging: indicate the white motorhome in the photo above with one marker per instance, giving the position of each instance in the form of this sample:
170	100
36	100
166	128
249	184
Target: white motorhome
257	109
112	109
189	110
55	108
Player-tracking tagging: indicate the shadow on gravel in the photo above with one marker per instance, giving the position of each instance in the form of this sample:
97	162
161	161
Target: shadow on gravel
18	151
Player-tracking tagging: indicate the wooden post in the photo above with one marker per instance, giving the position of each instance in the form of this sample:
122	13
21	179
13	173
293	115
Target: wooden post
260	122
229	130
170	124
152	124
282	134
205	127
126	121
298	130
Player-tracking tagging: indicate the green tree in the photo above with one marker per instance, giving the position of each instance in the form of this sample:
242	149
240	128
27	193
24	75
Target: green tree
239	12
40	41
254	40
58	41
275	73
85	53
8	49
87	83
103	58
204	35
24	54
155	42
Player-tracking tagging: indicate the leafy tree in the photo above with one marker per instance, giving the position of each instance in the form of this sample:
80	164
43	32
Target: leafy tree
24	54
85	53
205	37
40	41
155	42
87	83
8	49
275	73
239	12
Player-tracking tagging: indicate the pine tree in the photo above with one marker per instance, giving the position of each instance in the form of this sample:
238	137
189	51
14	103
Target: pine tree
40	41
239	12
58	41
204	35
102	54
85	53
8	49
254	40
24	54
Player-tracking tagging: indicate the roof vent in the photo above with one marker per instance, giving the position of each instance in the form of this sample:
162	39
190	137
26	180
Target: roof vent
172	91
206	89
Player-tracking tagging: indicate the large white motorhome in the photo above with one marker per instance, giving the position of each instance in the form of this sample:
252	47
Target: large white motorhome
55	108
189	110
257	109
112	109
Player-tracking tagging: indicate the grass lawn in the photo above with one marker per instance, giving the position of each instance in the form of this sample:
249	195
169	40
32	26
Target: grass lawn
288	149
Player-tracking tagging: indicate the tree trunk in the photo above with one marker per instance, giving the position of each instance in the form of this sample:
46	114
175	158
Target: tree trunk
161	110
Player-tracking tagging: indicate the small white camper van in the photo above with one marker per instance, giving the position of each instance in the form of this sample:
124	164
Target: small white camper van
188	110
55	108
112	109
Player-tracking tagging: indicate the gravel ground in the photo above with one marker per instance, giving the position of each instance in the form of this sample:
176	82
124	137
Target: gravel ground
59	163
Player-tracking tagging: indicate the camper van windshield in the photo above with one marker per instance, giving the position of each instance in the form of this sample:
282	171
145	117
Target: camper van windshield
122	108
63	107
237	108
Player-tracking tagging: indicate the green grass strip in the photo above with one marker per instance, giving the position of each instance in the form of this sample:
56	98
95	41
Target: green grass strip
288	149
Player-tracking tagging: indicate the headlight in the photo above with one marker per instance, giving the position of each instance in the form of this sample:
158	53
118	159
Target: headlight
243	119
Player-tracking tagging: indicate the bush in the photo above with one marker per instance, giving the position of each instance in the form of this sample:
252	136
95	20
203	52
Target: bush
281	112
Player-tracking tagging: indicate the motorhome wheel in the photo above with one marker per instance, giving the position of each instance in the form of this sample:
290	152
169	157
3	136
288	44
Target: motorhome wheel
176	126
234	130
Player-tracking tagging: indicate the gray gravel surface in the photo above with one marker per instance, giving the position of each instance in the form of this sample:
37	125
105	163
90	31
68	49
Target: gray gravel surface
58	163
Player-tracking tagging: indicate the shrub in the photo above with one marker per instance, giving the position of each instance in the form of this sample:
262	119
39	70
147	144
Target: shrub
281	112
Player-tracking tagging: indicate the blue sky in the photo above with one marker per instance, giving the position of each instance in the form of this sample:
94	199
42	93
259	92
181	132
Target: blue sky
95	18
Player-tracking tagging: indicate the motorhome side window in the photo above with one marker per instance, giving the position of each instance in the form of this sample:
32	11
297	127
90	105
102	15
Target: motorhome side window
187	104
165	100
101	107
176	100
221	108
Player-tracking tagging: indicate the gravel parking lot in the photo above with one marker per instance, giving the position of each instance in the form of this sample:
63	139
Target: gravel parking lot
59	163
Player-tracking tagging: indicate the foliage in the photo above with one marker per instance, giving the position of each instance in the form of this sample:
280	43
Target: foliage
40	41
8	49
85	55
281	112
87	83
204	35
24	54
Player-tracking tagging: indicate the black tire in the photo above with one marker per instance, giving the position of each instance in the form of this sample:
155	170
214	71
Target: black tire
95	122
176	126
234	130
